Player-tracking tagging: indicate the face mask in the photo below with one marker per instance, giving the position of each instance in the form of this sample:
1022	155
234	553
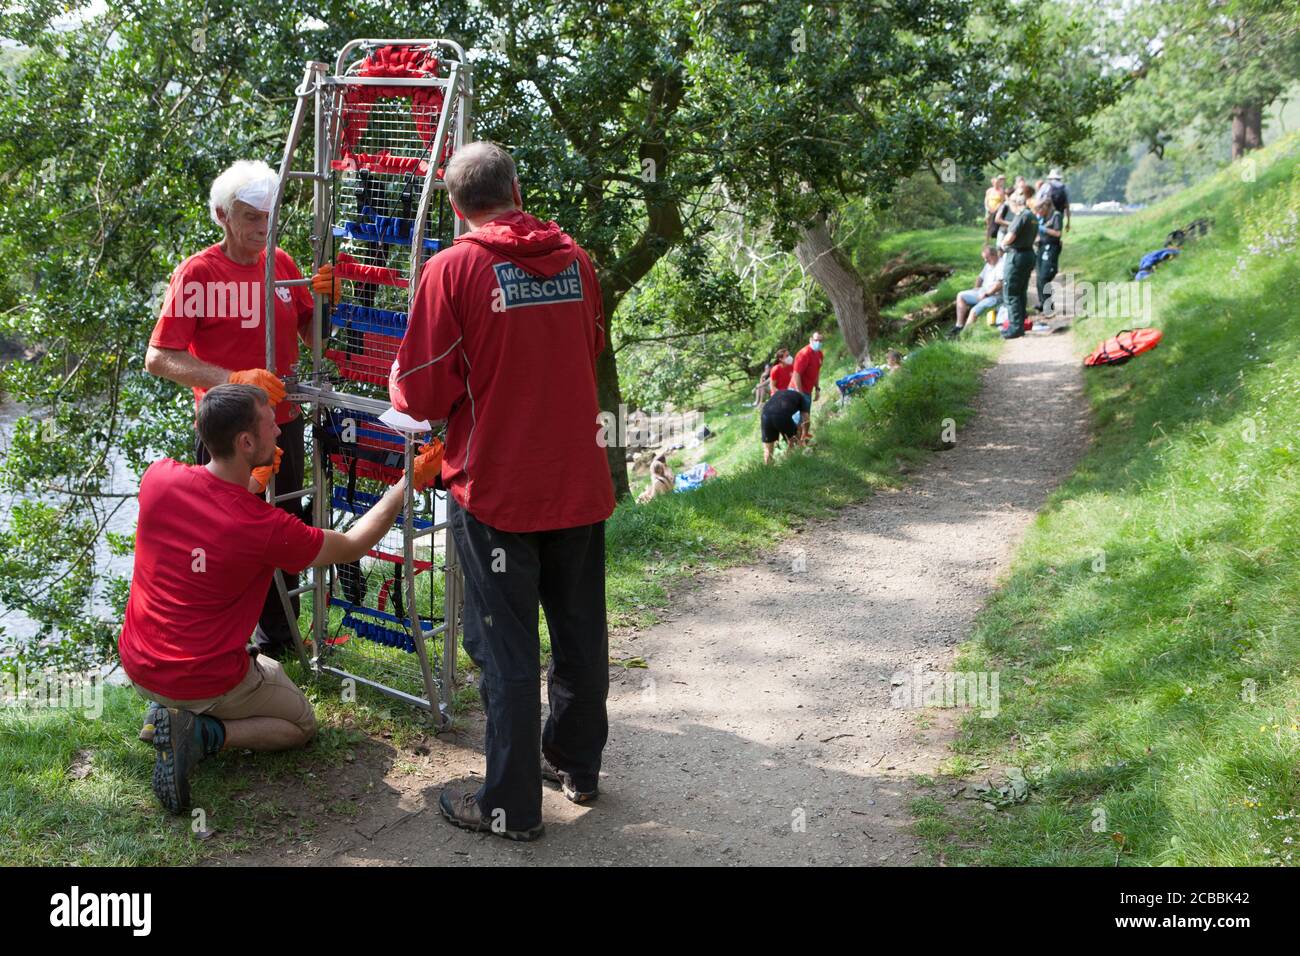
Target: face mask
788	360
816	346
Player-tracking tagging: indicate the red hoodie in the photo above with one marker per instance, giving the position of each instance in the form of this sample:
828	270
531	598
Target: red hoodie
502	342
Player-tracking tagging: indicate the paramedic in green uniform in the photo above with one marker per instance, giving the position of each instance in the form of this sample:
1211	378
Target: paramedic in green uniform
1049	252
1019	246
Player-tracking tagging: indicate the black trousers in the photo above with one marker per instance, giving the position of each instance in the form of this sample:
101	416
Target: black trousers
1049	255
506	576
274	635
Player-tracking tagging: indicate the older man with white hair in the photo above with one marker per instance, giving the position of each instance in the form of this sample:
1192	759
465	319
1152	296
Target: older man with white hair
210	332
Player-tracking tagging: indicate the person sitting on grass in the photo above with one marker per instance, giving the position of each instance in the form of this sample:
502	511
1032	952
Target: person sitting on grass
781	418
893	360
661	479
762	388
984	295
206	550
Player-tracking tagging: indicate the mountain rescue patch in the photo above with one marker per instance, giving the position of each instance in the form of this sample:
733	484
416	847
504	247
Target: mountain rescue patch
517	287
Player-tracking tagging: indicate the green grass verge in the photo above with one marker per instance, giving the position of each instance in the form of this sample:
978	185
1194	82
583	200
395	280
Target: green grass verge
77	790
1148	637
77	787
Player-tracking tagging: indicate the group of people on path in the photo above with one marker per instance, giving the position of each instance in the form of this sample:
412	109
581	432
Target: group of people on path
208	544
205	624
792	385
1023	232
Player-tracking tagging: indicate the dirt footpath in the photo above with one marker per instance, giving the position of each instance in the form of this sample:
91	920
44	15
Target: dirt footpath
762	731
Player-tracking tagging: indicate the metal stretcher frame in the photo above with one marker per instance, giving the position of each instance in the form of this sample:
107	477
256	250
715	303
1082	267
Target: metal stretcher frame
322	94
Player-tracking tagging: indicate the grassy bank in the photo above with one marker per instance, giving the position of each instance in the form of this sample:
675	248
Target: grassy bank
1147	638
77	789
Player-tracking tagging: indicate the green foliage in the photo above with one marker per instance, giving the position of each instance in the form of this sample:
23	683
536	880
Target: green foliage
871	95
1153	177
634	138
113	131
1102	180
921	202
1193	62
691	322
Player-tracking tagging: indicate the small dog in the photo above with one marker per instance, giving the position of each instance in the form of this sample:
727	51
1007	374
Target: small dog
661	479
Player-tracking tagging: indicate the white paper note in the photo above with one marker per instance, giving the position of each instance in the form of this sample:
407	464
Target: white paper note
402	422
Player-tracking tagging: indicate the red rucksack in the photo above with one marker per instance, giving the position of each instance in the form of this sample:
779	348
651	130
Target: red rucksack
1125	345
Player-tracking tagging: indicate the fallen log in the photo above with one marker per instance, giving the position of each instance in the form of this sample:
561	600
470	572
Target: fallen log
926	318
899	279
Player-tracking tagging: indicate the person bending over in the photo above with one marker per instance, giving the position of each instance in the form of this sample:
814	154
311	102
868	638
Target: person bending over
782	414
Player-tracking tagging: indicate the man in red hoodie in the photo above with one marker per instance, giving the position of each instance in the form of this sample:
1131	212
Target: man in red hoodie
530	485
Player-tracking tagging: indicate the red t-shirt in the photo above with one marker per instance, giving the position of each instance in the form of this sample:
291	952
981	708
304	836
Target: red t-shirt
205	550
213	310
808	363
781	375
513	296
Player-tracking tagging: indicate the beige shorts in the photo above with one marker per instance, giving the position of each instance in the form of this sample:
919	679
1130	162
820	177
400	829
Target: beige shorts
265	691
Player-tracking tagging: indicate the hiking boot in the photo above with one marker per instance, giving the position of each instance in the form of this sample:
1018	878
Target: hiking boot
555	775
461	809
150	721
177	753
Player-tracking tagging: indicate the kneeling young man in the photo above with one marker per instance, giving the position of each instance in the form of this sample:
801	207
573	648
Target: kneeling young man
207	546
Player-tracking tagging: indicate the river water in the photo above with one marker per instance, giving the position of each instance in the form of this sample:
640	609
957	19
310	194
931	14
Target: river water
14	623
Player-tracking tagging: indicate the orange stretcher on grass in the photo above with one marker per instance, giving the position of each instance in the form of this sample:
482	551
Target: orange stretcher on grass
1122	347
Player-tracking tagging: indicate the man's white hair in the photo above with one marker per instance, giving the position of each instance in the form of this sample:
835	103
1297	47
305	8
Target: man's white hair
250	181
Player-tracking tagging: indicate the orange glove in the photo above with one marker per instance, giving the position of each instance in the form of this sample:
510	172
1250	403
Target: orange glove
428	464
324	283
263	379
262	475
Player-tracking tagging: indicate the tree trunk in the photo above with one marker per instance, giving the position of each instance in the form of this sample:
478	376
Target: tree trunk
609	398
1247	130
832	271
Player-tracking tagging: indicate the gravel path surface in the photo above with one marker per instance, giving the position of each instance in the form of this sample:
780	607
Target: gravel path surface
762	731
